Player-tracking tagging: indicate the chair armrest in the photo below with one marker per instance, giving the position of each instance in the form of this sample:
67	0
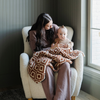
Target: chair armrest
24	60
78	64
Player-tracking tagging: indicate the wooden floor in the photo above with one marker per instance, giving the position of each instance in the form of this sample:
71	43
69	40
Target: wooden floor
85	96
82	95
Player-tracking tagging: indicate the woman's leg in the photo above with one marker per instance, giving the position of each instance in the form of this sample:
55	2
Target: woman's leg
63	83
48	83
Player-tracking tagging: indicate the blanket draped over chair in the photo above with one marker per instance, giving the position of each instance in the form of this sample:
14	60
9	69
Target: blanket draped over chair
53	58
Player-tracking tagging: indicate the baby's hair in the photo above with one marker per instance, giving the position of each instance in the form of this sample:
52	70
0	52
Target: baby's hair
63	27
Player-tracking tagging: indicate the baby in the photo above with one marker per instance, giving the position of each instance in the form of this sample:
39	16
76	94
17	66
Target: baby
62	40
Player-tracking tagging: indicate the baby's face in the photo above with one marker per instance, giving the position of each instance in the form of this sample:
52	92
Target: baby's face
62	34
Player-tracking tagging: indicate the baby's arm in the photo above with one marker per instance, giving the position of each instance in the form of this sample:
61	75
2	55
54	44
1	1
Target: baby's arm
55	44
52	45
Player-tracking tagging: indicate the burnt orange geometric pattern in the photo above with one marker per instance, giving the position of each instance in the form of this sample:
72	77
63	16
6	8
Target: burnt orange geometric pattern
53	58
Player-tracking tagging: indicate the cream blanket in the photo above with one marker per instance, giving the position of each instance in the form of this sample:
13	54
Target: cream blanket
53	58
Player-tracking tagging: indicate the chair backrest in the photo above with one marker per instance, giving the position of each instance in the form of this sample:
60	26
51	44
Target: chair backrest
27	48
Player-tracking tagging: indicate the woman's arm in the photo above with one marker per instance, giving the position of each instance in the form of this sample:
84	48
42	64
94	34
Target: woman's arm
32	41
55	27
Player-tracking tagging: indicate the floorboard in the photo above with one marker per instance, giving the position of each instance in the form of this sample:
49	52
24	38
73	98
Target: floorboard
85	96
17	93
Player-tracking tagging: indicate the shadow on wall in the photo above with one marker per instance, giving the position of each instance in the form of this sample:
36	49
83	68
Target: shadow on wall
11	46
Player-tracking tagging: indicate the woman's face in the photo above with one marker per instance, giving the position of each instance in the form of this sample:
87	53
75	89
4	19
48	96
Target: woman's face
48	25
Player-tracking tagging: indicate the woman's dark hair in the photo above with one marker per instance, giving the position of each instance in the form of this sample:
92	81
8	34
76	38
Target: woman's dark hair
42	20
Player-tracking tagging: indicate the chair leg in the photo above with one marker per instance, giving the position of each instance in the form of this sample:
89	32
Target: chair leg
73	98
30	99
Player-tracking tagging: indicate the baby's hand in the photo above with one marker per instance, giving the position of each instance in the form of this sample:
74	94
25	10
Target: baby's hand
66	46
54	45
61	45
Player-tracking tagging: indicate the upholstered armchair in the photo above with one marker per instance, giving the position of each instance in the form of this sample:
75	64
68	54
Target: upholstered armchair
33	90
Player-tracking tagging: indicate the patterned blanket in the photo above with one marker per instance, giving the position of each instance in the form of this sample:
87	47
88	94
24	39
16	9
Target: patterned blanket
53	58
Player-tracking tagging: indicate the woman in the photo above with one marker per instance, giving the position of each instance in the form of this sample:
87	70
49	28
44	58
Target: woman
41	35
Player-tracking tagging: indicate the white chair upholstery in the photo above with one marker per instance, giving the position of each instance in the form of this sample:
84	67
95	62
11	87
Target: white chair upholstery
33	90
